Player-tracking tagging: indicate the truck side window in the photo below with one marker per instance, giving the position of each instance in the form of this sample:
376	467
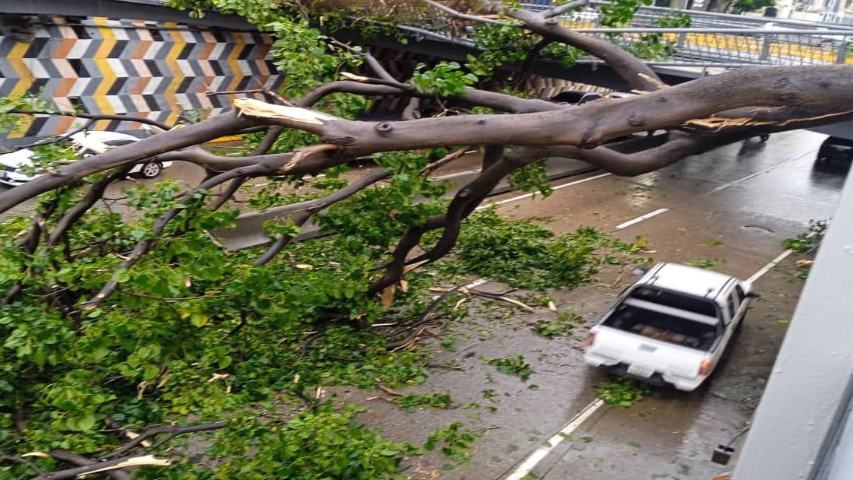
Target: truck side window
740	294
732	306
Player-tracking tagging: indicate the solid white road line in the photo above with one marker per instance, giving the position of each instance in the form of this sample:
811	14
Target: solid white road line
769	266
528	195
530	462
641	218
454	175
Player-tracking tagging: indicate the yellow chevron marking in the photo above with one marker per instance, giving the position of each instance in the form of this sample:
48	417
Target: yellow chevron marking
108	77
239	43
177	74
26	76
25	81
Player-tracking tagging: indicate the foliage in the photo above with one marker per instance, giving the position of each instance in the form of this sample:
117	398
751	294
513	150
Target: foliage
530	178
810	241
656	46
120	363
807	244
303	56
501	45
313	445
25	103
561	325
524	254
741	6
412	401
456	442
619	13
621	391
673	20
446	79
565	55
703	263
514	365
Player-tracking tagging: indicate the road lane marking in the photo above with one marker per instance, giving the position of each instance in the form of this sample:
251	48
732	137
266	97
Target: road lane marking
769	266
528	195
454	175
760	172
530	462
641	218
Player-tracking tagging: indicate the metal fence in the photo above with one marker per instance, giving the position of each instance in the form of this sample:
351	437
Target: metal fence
733	47
717	39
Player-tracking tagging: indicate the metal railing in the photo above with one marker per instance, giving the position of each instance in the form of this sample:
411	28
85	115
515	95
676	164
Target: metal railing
718	39
734	47
647	15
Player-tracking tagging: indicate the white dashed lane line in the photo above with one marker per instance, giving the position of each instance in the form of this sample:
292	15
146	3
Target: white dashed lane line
641	218
528	195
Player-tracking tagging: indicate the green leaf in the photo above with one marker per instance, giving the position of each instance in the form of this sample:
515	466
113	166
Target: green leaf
199	319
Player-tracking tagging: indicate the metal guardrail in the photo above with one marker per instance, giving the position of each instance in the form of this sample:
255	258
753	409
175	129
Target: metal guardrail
720	40
646	15
728	47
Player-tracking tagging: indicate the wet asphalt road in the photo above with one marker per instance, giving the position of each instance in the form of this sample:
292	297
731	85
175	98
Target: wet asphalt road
732	207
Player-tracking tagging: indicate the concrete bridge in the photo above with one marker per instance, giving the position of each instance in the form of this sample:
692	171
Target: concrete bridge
139	57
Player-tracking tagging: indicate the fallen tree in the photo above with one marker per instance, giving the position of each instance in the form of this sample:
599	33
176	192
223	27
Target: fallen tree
309	130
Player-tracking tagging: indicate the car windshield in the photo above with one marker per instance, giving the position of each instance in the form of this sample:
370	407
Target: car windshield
663	327
702	306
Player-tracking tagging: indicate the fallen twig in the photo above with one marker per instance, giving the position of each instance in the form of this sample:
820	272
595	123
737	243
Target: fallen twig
389	391
446	366
494	296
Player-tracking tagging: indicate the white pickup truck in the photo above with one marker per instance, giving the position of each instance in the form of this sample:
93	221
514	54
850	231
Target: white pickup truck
672	327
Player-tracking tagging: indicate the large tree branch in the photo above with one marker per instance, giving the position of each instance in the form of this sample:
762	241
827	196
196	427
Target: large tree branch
588	125
95	116
631	69
171	430
561	9
463	204
679	146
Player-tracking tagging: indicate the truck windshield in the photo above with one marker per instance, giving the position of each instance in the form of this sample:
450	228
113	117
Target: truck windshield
702	306
663	327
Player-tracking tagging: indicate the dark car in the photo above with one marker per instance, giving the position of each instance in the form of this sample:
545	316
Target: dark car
836	152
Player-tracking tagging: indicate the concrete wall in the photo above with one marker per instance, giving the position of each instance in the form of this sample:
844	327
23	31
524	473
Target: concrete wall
153	69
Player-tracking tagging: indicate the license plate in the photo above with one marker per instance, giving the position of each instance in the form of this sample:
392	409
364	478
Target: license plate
641	370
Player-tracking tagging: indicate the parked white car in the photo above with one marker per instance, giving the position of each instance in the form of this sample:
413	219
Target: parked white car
84	143
671	327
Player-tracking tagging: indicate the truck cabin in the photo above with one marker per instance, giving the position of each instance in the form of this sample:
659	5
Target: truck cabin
668	316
